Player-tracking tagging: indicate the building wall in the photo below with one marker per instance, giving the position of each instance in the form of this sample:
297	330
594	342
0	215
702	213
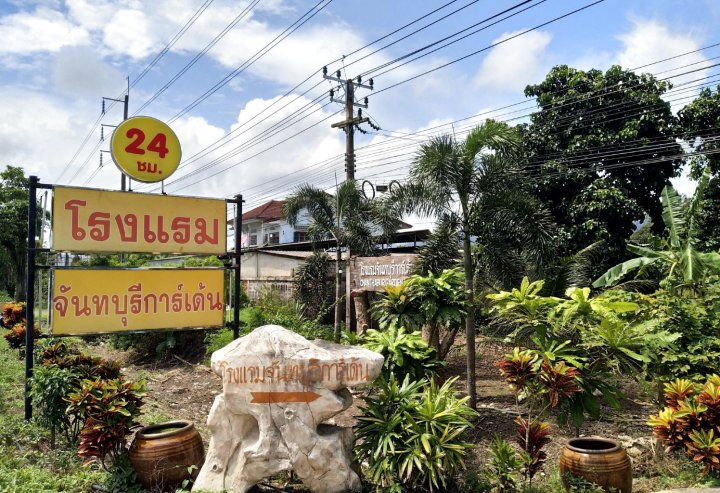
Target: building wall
264	265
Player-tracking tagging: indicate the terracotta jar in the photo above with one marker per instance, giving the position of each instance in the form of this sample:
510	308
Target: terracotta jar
598	460
161	454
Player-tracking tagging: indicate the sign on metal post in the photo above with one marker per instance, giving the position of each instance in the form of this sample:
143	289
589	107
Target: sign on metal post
101	301
87	220
91	301
146	149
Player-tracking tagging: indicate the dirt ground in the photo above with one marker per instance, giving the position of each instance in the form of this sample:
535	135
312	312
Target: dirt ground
178	389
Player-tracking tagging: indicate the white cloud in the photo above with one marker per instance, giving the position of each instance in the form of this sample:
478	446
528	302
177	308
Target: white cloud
318	143
91	14
43	30
77	72
512	65
649	41
40	145
129	32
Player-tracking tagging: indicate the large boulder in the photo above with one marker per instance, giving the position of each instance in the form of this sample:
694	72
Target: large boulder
278	390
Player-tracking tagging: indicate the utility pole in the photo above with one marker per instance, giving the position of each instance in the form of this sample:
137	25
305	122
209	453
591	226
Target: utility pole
126	105
351	121
349	124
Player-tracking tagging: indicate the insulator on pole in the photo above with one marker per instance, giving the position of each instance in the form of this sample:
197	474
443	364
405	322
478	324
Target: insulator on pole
371	83
325	70
338	74
103	107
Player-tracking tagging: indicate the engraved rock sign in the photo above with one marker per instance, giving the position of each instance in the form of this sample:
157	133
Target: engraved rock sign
278	389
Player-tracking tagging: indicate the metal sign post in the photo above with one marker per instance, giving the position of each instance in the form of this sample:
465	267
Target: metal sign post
30	289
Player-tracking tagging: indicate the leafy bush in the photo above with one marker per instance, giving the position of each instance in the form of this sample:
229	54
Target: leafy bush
435	304
542	385
314	285
411	435
690	422
694	320
600	337
406	354
13	313
161	344
502	466
108	409
49	387
15	337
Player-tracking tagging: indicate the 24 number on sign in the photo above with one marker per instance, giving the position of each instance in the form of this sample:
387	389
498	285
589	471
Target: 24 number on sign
158	144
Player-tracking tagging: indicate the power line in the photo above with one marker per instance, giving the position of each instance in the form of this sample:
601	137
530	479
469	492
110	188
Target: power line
140	76
171	42
206	151
505	40
199	55
257	56
428	46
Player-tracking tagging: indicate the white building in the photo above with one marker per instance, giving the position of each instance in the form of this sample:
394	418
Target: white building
264	225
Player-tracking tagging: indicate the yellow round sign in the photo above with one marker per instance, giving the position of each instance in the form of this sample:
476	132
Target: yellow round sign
145	149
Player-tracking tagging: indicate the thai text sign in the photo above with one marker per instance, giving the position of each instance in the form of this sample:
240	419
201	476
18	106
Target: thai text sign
374	273
92	301
352	371
86	220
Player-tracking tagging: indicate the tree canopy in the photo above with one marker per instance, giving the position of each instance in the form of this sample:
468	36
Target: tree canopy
699	122
13	235
602	147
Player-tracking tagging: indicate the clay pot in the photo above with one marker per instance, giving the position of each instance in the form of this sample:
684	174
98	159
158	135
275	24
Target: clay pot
598	460
161	454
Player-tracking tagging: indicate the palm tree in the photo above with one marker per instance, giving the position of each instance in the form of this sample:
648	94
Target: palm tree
450	179
683	265
348	218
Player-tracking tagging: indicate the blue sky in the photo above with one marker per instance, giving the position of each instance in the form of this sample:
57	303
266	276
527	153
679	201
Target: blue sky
58	58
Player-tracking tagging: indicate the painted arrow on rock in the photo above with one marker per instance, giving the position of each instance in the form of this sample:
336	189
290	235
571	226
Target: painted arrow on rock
276	397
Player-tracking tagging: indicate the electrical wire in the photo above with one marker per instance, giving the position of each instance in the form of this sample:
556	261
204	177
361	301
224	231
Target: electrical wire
199	55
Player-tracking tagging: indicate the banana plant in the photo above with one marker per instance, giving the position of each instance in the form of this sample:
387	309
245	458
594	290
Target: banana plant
684	265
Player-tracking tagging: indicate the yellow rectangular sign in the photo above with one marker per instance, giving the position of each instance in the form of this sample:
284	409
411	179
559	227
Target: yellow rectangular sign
88	220
98	301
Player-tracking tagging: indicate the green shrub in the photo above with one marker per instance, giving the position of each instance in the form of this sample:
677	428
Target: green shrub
252	317
314	285
411	435
121	477
434	303
406	354
694	319
49	387
503	466
160	345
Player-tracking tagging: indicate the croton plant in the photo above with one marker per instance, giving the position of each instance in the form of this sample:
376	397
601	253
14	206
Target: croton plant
690	422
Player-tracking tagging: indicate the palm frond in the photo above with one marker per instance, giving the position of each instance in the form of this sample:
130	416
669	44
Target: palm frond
580	268
491	135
